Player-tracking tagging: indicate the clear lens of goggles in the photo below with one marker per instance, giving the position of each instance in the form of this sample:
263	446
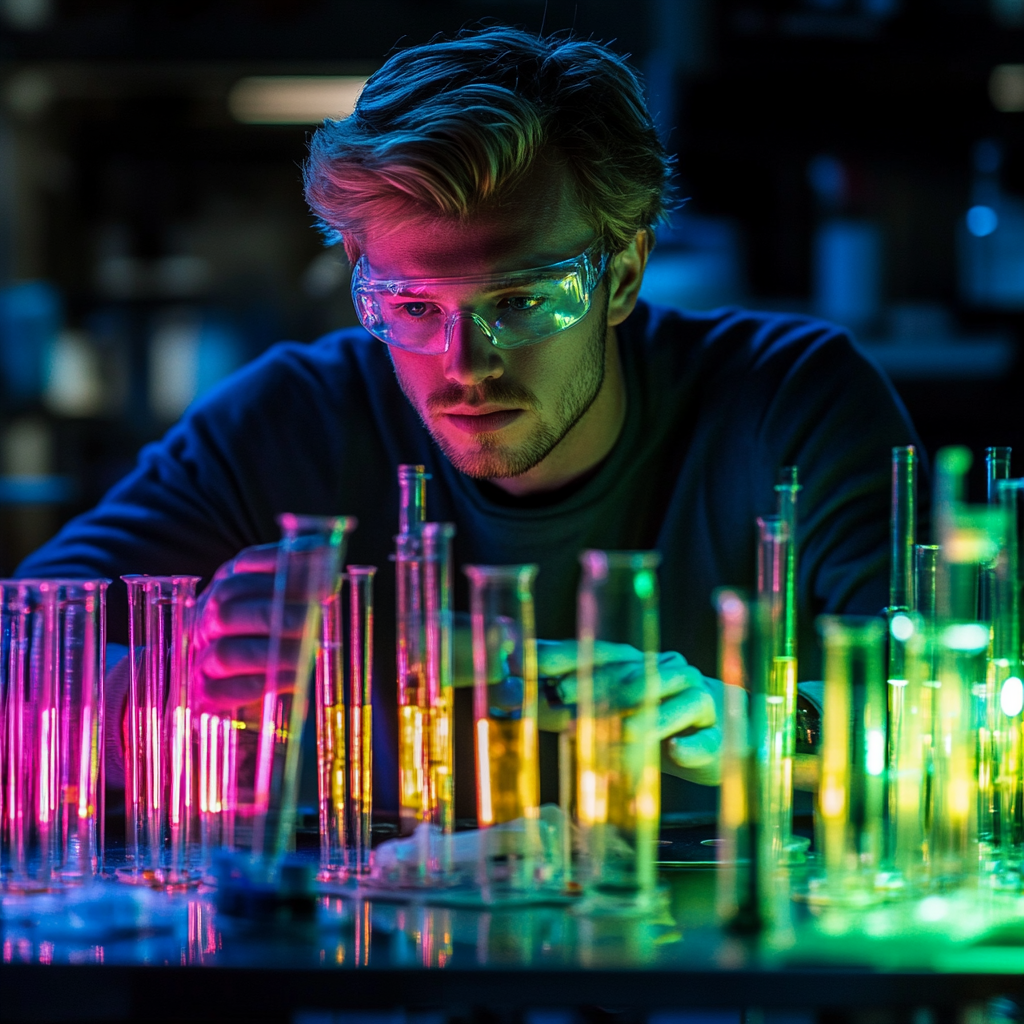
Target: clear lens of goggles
519	308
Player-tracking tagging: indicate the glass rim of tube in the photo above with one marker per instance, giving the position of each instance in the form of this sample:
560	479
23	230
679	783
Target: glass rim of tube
141	577
603	560
93	583
302	521
856	627
501	572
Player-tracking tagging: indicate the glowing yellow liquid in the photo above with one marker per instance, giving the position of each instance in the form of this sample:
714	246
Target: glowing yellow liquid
425	779
508	776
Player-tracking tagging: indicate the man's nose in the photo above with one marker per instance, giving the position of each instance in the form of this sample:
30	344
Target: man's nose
471	358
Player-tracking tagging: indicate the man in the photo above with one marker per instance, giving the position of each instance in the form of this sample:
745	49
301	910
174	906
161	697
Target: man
496	194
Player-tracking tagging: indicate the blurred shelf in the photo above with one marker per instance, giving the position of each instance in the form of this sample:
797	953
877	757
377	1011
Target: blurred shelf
37	490
976	358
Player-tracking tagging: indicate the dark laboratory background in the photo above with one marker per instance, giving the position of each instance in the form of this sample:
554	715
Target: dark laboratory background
858	159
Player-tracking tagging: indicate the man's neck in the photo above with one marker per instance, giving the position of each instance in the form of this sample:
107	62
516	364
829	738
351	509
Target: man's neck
588	442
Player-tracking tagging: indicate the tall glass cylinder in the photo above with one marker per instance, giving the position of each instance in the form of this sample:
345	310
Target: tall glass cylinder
773	599
1005	675
52	644
308	562
903	529
787	490
344	726
910	742
997	467
423	567
739	883
412	498
505	720
618	780
957	759
853	752
161	822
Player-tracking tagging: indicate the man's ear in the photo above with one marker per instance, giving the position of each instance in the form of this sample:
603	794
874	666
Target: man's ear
625	274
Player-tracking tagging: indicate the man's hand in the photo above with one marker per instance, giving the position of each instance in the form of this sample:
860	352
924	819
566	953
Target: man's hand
687	715
233	632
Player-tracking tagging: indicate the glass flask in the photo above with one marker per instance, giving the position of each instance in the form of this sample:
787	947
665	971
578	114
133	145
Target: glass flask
344	726
161	812
505	723
264	748
853	752
618	763
52	662
773	597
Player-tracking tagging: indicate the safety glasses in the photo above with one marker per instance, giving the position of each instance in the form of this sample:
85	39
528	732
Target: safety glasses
512	309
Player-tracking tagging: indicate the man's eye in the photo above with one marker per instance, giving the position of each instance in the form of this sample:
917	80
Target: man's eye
521	303
416	309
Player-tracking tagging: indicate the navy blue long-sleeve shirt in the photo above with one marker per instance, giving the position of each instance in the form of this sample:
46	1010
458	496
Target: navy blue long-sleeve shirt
716	403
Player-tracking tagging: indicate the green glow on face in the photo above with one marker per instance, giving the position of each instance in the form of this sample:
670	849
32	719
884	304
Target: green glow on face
643	584
1011	697
902	627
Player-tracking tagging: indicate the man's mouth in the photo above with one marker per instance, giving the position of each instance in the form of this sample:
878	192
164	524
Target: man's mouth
484	422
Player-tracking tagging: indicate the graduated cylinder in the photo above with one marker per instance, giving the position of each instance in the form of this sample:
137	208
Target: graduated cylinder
52	641
618	774
344	726
853	754
161	814
505	719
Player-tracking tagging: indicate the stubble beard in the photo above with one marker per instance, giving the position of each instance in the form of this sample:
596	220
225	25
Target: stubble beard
489	458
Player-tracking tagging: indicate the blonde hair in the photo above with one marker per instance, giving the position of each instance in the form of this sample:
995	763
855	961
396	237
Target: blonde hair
456	123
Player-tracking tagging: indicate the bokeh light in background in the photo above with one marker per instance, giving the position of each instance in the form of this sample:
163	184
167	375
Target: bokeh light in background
861	160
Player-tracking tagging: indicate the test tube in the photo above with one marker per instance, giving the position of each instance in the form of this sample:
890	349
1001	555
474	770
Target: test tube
505	722
910	740
902	530
309	559
161	824
1005	676
438	807
412	498
423	569
52	649
772	595
853	746
786	490
997	467
618	780
344	726
739	888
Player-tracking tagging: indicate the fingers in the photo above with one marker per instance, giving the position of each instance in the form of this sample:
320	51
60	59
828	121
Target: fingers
559	657
226	694
696	758
241	605
691	709
243	656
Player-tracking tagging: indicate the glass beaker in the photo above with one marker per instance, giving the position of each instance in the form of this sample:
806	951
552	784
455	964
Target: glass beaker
265	745
853	753
52	661
344	726
618	774
505	722
161	824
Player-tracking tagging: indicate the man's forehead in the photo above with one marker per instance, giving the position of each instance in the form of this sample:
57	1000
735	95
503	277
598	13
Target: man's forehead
531	227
